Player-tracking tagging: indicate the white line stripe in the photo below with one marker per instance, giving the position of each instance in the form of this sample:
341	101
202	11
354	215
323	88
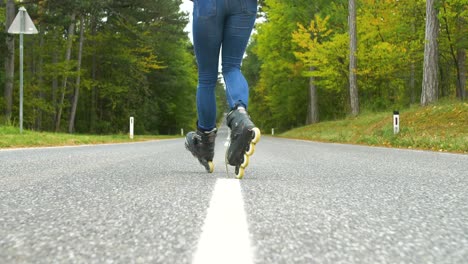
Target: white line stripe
225	237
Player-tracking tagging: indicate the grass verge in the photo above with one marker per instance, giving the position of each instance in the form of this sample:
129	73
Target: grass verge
11	138
439	127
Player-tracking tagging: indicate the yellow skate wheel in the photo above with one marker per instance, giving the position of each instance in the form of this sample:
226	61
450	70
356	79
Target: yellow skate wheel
250	150
240	173
211	166
257	135
245	163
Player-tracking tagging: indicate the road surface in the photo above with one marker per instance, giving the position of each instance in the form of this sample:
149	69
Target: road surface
300	202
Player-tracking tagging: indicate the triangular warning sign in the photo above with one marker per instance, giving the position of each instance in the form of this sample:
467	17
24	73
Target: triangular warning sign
28	28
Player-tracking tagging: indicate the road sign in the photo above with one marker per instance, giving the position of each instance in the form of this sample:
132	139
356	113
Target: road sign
22	25
27	27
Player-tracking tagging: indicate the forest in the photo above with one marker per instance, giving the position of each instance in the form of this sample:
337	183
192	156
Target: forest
96	63
298	63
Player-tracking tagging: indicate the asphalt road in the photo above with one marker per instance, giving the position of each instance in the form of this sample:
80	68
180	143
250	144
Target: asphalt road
304	202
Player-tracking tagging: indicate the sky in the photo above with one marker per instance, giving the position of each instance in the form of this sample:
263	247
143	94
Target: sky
187	6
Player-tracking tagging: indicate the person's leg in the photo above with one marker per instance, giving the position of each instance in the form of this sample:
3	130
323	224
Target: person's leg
237	29
238	26
207	37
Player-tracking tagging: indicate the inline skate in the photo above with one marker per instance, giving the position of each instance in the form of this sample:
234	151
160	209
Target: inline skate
201	144
244	136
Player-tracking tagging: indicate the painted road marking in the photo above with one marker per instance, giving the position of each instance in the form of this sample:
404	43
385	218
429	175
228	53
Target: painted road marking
225	235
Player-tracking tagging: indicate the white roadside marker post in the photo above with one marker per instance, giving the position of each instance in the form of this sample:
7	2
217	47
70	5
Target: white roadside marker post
131	127
272	131
22	24
182	132
396	122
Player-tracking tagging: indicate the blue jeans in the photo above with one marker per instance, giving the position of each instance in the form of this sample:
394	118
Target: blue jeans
227	24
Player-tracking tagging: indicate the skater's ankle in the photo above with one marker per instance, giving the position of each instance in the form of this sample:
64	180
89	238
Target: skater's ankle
239	106
206	131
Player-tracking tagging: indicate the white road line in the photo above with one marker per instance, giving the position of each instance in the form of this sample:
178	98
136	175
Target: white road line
225	235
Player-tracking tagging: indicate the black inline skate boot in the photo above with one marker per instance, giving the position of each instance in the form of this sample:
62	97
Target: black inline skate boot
201	145
244	136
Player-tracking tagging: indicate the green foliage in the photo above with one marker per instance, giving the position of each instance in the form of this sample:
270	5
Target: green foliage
453	17
137	61
2	16
281	90
303	39
325	53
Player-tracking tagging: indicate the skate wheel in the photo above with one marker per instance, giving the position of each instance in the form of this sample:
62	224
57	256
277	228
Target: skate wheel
250	149
245	163
256	136
210	167
240	173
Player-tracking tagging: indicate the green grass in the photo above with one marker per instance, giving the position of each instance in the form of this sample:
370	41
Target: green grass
439	127
11	138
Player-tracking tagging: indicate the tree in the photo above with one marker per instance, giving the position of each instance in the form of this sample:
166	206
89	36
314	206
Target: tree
2	55
70	33
281	88
71	124
312	109
453	16
430	79
353	88
310	40
9	61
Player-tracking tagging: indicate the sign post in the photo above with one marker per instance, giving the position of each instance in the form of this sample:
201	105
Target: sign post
22	25
131	127
396	122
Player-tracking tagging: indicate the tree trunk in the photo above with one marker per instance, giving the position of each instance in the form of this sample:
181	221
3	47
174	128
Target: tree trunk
313	111
444	80
461	59
413	72
9	61
455	55
71	32
93	107
461	87
447	84
413	83
71	125
430	80
353	88
54	87
40	81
